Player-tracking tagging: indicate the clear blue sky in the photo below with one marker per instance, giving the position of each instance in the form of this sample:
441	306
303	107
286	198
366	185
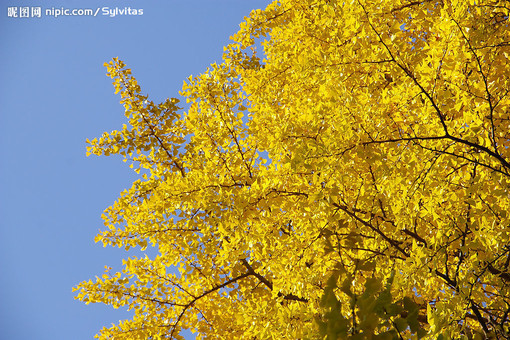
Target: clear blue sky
53	95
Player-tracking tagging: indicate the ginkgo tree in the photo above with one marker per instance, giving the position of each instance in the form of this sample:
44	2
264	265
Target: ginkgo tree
343	173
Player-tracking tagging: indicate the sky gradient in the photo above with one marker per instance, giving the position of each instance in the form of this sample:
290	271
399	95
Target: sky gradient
54	94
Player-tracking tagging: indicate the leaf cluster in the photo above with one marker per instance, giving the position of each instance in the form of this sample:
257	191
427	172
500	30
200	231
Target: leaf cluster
343	172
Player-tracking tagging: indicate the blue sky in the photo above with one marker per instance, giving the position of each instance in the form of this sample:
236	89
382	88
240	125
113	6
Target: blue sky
53	95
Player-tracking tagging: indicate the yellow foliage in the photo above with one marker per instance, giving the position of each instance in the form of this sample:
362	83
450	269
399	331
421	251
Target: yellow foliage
367	135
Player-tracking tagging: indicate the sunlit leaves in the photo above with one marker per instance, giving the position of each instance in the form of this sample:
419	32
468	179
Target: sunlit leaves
343	172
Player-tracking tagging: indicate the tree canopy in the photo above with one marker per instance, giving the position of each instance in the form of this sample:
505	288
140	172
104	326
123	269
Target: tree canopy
343	173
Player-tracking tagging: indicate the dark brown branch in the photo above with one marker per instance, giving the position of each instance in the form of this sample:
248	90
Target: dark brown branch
458	140
269	284
411	4
485	81
415	236
391	241
494	154
451	282
479	317
408	73
505	276
192	302
473	306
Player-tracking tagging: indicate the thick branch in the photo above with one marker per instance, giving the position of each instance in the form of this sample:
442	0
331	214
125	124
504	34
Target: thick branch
269	284
505	276
365	223
192	302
